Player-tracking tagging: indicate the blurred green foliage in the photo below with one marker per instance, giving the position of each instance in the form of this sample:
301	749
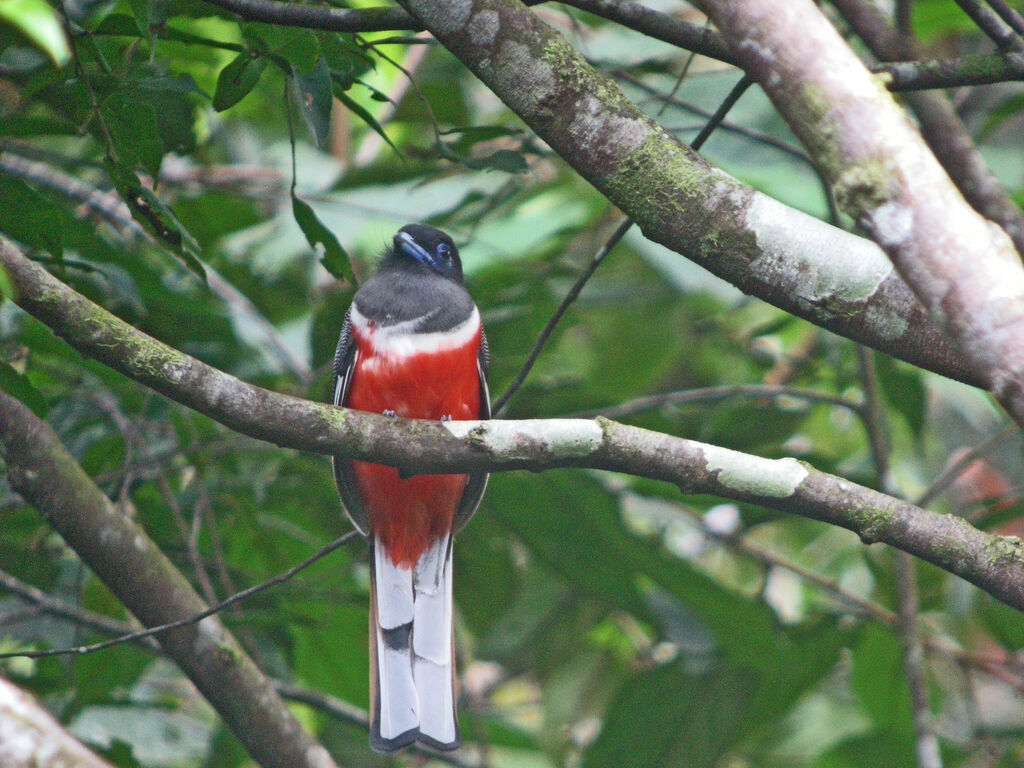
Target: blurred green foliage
603	621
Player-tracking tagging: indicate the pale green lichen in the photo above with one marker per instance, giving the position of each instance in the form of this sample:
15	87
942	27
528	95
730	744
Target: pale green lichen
658	182
872	524
793	243
860	185
773	478
1001	551
560	438
864	186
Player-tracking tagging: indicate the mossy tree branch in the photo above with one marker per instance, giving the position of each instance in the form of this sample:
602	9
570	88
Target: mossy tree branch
148	584
964	268
991	562
940	125
834	279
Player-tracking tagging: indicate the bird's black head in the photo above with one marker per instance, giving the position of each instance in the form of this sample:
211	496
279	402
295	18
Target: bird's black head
430	247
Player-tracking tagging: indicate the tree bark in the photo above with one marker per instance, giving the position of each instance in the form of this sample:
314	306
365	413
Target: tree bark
940	124
30	737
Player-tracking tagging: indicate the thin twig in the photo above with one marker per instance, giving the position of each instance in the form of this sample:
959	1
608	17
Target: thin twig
705	394
714	122
570	297
81	616
235	598
991	24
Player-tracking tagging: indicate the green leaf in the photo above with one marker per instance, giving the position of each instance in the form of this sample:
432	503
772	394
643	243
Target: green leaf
133	128
19	387
30	218
904	389
1009	107
671	717
236	80
334	258
298	47
172	101
881	686
148	14
315	100
24	125
365	116
346	60
1005	623
38	21
155	216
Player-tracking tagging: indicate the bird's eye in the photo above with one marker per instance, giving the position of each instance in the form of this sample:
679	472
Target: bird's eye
444	251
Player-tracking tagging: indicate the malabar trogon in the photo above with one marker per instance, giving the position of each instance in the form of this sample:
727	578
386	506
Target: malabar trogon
413	346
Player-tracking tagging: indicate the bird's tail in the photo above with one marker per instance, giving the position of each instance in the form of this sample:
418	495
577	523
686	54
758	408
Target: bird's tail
412	671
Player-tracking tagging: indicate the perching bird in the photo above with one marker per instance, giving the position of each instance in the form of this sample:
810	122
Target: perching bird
413	346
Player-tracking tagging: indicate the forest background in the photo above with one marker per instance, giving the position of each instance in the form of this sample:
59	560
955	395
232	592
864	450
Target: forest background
731	402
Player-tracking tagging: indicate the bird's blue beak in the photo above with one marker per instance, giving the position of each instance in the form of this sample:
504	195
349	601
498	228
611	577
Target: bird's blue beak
404	242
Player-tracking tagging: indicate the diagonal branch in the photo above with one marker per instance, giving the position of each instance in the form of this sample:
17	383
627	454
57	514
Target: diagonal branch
834	279
992	25
993	563
940	124
130	564
963	268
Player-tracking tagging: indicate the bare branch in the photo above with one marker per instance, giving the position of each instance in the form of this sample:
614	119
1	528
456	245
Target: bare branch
993	563
992	25
964	269
64	610
320	16
706	394
1009	15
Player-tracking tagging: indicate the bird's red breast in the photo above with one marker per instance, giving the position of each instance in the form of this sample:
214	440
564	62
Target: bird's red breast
431	380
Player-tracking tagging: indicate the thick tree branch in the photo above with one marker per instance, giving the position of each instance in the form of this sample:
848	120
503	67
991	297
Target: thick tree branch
963	268
940	124
800	264
320	16
991	562
130	564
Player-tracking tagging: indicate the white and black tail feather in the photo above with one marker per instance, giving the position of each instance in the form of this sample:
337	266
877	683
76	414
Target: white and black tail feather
413	671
